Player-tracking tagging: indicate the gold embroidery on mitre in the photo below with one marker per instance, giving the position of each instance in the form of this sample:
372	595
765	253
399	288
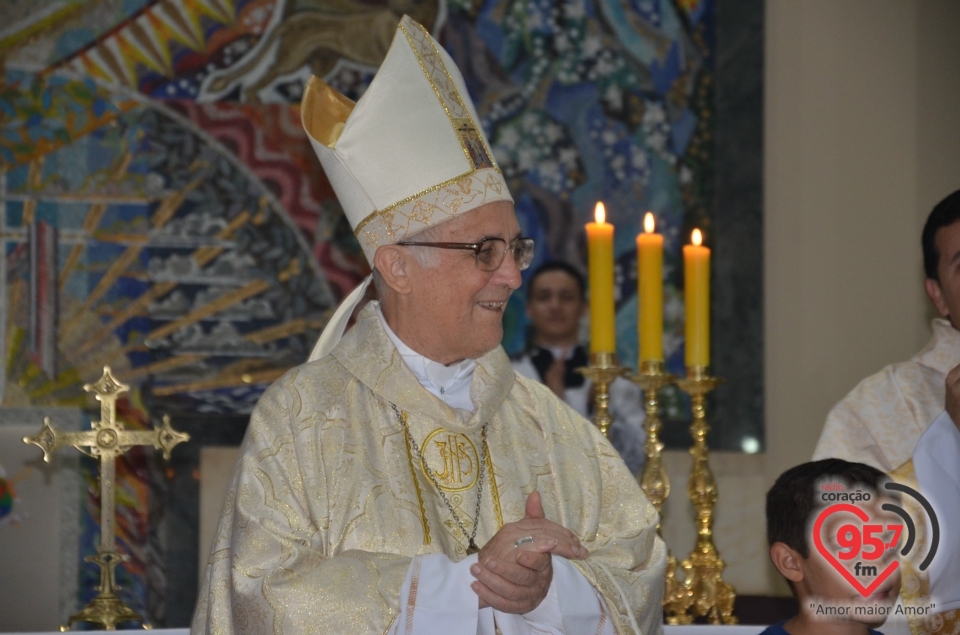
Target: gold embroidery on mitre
412	199
494	184
324	111
454	205
441	203
449	101
457	94
422	212
453	459
471	140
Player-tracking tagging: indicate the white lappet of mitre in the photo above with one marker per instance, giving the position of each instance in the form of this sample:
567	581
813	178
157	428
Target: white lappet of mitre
410	154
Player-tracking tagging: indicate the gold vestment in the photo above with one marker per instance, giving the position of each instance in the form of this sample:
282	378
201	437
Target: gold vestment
328	505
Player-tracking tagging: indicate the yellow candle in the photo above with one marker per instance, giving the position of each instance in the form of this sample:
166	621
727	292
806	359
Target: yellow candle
696	276
650	291
600	262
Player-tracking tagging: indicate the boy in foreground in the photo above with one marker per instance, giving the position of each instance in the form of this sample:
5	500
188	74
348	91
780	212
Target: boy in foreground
830	604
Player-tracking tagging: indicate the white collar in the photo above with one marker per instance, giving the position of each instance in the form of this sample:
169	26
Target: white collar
561	352
451	384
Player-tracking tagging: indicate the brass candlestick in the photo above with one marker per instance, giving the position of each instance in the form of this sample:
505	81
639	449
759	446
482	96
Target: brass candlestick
656	484
654	481
603	369
712	598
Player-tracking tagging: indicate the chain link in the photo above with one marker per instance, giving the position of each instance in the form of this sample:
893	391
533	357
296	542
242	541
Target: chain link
472	545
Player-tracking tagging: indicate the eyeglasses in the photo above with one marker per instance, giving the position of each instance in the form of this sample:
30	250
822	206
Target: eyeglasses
490	252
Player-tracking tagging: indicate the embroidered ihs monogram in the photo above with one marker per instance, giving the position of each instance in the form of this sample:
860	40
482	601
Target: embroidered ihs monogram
453	458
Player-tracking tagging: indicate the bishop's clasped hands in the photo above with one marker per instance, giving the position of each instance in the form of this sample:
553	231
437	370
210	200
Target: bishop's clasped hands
514	569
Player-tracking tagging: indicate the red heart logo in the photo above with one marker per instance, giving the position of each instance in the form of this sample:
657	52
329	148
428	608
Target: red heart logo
818	541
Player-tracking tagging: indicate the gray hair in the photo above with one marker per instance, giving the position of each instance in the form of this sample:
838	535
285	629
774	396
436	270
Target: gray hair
425	256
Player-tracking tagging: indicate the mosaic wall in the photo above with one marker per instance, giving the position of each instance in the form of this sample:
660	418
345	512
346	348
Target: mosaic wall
161	211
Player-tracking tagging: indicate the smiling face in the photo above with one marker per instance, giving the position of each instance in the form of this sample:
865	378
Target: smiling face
453	310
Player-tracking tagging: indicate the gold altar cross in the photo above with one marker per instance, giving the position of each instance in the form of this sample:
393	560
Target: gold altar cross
107	440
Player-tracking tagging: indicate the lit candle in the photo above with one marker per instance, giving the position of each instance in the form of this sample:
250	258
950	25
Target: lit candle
600	262
696	276
650	291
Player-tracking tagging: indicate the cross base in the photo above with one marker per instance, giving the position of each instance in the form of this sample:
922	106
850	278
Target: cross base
107	610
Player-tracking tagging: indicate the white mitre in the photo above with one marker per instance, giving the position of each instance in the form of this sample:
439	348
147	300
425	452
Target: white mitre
408	155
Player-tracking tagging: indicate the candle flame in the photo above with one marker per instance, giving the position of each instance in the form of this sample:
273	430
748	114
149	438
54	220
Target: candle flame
696	237
649	224
600	214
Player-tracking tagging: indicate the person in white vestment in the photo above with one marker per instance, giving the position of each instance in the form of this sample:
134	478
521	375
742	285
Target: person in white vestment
905	420
556	302
406	479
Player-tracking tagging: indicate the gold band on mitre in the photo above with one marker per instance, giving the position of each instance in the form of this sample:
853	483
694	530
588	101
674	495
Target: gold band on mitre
442	203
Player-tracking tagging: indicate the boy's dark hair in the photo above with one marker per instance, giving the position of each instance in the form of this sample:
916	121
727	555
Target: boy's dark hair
791	500
946	213
567	268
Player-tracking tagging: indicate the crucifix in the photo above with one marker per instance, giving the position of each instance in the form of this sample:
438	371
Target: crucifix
107	440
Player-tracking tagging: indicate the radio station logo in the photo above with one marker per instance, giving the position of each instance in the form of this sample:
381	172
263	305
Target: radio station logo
861	542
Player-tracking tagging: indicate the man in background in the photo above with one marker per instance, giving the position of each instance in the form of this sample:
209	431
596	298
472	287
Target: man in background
556	303
904	420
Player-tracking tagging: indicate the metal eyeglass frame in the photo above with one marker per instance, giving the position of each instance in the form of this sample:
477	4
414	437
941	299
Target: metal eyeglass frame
476	248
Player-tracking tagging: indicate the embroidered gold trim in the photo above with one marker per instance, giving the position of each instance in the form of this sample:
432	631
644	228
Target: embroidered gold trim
495	491
494	182
401	203
474	460
433	84
457	93
416	485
